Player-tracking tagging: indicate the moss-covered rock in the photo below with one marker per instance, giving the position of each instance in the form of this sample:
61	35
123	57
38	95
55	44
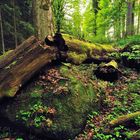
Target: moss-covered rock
58	115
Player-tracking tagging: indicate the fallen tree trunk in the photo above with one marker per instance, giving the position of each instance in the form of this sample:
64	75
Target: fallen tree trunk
17	52
80	46
84	52
21	64
123	119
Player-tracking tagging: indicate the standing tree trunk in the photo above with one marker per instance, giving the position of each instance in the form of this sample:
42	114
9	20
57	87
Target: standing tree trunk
95	8
42	18
130	18
123	26
14	20
138	25
2	36
58	11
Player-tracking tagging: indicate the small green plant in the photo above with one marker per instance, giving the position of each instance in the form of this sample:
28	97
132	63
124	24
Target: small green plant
101	136
133	54
37	116
19	139
137	121
116	134
90	119
115	55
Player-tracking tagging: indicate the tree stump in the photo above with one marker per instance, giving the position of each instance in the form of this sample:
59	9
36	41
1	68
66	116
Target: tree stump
108	72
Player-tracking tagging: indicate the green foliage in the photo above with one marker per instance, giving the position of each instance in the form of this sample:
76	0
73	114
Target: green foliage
137	121
58	10
115	55
129	40
116	134
37	92
134	54
77	58
6	132
36	116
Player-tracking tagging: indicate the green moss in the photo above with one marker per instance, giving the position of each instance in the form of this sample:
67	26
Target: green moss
124	118
9	92
112	64
12	64
36	92
77	58
71	107
35	116
5	54
85	46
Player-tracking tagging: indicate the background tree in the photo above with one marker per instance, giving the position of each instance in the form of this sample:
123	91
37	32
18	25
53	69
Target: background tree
21	13
130	17
1	29
58	11
100	21
14	21
96	8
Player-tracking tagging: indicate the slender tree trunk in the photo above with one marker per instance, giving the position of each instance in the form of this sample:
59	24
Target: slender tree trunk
2	35
123	26
130	18
15	26
118	29
95	8
138	25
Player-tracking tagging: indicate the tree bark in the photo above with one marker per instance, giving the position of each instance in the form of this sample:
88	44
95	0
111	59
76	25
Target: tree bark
130	18
138	25
123	119
2	35
42	18
21	64
123	26
95	8
14	21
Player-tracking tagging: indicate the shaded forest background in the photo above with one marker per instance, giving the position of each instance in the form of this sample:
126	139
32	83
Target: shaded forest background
101	21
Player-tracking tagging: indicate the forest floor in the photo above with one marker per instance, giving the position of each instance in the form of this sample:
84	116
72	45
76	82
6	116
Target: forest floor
113	100
68	101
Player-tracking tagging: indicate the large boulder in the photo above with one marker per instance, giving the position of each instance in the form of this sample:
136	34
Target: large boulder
56	105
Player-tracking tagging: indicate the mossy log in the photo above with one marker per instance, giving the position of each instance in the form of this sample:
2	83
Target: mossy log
81	51
123	119
108	71
18	66
8	58
21	64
